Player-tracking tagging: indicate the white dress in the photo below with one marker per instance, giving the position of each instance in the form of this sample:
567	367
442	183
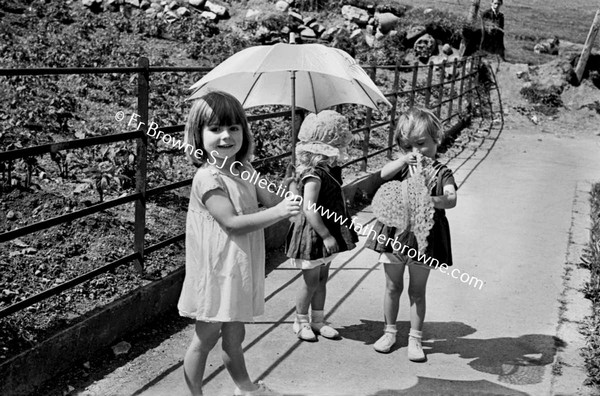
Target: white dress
225	274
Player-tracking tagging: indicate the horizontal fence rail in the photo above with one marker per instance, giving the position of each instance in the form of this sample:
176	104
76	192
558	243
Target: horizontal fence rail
461	85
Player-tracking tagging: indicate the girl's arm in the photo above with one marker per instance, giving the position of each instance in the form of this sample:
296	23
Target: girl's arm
271	193
312	187
446	201
391	168
221	208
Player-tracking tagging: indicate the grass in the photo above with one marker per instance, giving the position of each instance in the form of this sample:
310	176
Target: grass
526	23
591	261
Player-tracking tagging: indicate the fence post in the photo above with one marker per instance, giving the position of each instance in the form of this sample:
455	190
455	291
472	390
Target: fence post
363	164
414	84
393	110
429	79
462	85
469	84
452	87
438	112
141	159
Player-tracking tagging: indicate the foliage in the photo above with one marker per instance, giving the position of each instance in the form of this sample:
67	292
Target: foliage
546	100
439	24
591	261
214	50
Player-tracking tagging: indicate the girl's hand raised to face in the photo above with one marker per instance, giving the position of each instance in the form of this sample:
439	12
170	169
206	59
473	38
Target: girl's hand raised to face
289	207
410	158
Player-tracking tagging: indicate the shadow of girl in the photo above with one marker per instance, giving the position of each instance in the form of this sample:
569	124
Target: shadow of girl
519	360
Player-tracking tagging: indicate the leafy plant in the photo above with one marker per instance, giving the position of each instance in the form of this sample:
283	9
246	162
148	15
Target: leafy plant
591	261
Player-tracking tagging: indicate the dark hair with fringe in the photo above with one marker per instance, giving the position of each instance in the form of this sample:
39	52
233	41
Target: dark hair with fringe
415	121
219	108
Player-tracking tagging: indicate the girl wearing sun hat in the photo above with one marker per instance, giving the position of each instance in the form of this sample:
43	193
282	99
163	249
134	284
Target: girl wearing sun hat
318	233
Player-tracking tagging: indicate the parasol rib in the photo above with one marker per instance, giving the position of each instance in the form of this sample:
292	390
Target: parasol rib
369	96
312	88
251	88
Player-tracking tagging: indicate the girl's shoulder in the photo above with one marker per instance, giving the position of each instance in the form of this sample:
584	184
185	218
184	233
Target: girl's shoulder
207	178
445	175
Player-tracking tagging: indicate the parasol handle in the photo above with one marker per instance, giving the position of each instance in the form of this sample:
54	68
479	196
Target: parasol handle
294	133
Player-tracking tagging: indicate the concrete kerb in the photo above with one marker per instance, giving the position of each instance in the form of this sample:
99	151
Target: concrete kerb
569	372
30	369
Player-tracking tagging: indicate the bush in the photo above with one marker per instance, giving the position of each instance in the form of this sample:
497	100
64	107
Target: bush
591	261
545	100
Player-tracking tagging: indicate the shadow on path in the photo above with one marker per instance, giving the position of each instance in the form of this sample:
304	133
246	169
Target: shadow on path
518	361
435	386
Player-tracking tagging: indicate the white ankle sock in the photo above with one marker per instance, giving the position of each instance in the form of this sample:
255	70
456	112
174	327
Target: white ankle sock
416	333
302	318
390	328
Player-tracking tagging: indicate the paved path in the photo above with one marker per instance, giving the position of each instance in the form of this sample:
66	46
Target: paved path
510	229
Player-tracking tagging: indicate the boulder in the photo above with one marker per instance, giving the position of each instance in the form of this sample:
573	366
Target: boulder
217	9
173	5
548	46
585	95
171	17
328	34
135	3
208	15
183	11
145	4
309	20
386	22
252	14
89	3
151	12
355	34
197	3
425	47
356	15
447	49
111	5
297	17
318	28
398	10
282	6
308	33
156	6
93	5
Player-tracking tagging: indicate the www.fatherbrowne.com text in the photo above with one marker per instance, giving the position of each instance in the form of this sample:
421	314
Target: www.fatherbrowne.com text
256	179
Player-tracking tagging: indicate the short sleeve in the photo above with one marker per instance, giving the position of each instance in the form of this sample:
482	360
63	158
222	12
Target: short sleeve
314	174
206	180
447	177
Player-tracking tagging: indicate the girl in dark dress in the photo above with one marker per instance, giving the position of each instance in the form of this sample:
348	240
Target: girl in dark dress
418	130
318	233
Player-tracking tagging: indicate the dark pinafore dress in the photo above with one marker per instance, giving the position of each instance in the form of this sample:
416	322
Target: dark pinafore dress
303	242
438	241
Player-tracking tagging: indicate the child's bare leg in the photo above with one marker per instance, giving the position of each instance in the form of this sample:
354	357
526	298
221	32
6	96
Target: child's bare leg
394	284
205	337
317	302
233	334
416	294
317	305
307	290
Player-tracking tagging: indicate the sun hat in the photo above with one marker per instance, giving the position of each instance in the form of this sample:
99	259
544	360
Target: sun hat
324	133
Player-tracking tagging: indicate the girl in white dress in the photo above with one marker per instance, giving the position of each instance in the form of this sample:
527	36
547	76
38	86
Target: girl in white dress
225	253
